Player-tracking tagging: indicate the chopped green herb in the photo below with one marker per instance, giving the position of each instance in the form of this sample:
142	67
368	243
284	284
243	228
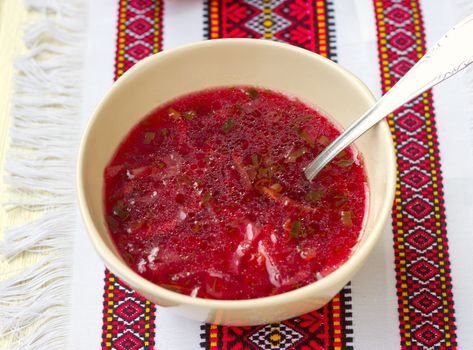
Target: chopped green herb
253	93
292	157
189	115
313	196
295	229
228	125
184	179
112	223
323	140
304	135
176	115
262	172
254	160
120	211
301	119
149	136
347	218
164	132
344	163
341	200
206	198
235	109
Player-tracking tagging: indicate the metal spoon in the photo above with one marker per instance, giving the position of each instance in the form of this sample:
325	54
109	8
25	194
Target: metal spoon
452	53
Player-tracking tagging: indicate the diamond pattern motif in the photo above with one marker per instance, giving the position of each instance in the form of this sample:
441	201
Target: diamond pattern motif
141	5
428	335
402	66
420	239
416	178
264	23
289	21
128	341
129	310
140	27
426	312
309	25
425	302
276	336
413	150
399	15
137	52
128	318
401	40
419	208
423	270
410	121
139	34
400	24
315	330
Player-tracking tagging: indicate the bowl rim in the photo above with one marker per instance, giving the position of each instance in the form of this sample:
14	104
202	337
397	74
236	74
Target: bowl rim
114	263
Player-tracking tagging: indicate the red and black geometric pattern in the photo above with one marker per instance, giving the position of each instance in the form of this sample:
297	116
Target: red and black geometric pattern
128	318
327	328
305	23
424	289
308	24
139	32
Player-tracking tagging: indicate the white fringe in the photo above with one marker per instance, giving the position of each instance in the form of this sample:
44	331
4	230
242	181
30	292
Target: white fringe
45	129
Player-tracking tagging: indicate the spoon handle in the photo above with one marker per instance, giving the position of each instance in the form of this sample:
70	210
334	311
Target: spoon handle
452	53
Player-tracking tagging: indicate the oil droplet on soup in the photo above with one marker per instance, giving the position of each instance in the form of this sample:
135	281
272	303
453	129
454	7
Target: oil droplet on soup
206	196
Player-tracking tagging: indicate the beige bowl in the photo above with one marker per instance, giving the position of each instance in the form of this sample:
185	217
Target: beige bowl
280	67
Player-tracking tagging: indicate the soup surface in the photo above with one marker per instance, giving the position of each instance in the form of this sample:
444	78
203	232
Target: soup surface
206	196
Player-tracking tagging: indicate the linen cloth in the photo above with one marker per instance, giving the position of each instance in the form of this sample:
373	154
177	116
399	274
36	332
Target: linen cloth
405	296
374	306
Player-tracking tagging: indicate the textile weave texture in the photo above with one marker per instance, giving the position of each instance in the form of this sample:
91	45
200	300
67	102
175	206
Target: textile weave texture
426	310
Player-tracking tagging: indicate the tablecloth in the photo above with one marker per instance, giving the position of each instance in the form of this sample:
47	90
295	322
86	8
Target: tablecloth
415	290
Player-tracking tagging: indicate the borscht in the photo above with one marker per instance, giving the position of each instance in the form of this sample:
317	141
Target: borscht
206	196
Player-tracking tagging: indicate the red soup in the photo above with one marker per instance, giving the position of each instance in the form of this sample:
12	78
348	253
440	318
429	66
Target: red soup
206	196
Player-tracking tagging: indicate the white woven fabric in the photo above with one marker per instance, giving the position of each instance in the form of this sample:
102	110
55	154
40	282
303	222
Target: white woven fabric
373	289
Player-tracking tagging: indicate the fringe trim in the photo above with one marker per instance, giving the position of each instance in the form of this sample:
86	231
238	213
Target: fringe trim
40	166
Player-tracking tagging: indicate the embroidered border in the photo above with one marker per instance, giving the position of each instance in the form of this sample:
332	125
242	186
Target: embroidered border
139	32
327	328
424	289
308	24
128	318
291	21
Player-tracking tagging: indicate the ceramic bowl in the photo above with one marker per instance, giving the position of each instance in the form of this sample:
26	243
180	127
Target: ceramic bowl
280	67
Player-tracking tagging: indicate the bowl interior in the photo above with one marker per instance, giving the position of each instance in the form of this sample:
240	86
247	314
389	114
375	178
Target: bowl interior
289	70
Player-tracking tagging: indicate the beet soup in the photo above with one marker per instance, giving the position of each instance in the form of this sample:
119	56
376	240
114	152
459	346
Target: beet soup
206	196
